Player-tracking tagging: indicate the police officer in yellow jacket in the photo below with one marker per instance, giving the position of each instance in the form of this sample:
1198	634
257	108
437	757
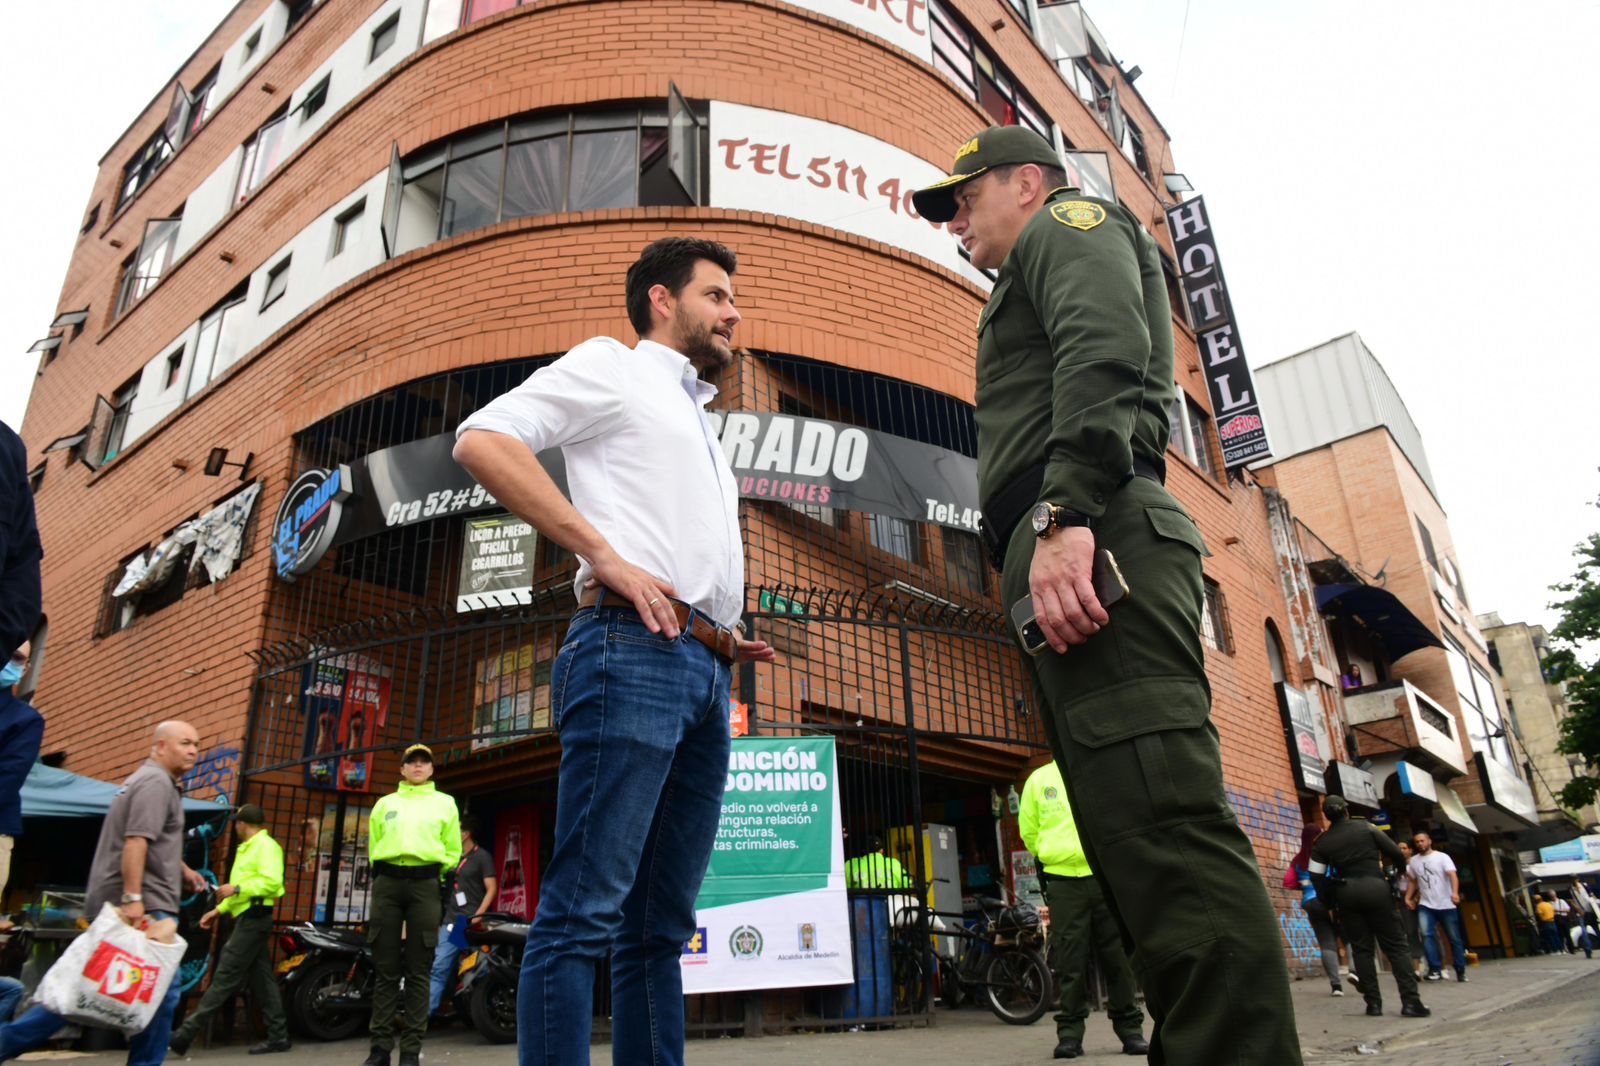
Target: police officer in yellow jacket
874	869
255	885
1080	923
413	840
1074	384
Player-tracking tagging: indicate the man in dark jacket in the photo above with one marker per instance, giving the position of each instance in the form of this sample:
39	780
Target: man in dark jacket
21	733
1354	849
19	546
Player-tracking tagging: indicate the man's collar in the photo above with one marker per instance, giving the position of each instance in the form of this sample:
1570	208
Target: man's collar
678	365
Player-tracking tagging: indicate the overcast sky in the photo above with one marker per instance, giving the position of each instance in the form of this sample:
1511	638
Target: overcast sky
1418	173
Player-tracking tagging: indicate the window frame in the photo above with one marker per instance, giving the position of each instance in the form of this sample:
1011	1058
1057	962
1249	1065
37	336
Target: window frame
277	275
315	99
1214	622
390	26
339	239
984	66
121	407
249	180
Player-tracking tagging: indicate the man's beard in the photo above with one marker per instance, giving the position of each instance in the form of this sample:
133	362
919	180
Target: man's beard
697	343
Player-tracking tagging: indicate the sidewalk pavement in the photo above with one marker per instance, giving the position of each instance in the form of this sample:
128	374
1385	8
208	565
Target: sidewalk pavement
1332	1030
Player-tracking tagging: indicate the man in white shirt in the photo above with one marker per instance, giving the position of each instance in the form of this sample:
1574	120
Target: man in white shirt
1435	894
640	686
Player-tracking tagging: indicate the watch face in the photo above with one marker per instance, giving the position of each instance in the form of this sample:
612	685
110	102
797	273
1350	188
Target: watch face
1041	518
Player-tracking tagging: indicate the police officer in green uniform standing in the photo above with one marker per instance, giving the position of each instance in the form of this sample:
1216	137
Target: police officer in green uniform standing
874	869
1354	849
1080	921
414	840
255	885
1074	381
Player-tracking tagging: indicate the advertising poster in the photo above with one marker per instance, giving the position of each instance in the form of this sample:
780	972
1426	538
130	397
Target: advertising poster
496	563
345	701
512	694
516	856
772	912
355	872
1025	878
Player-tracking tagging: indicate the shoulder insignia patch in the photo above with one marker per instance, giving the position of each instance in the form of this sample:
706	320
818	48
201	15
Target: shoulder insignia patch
1079	214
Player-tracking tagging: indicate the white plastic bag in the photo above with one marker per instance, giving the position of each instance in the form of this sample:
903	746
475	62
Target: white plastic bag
112	976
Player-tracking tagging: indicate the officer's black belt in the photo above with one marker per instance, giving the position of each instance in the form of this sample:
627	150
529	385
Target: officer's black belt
256	906
1006	508
406	873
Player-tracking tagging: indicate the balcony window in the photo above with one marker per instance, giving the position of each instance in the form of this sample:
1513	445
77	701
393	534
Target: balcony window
957	54
149	159
144	270
216	347
201	102
262	154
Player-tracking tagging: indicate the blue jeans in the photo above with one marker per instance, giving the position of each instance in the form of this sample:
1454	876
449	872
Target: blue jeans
445	958
148	1048
10	996
1430	919
644	761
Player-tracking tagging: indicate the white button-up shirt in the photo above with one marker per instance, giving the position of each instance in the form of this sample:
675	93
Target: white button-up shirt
643	465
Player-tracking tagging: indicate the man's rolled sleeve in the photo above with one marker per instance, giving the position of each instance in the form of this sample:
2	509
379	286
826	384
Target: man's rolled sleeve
1090	299
148	804
570	400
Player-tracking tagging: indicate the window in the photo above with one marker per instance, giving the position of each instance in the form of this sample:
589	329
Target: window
201	102
174	368
895	536
142	271
1427	545
537	165
121	405
482	9
344	226
90	220
1190	433
251	43
970	66
143	166
1214	618
384	36
36	478
315	98
216	347
277	283
964	564
262	154
1133	147
298	10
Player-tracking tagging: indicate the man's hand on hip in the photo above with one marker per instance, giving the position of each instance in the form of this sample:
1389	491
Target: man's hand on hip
651	596
1061	580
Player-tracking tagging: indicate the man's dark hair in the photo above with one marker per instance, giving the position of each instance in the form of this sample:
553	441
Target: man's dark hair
472	824
1054	177
670	262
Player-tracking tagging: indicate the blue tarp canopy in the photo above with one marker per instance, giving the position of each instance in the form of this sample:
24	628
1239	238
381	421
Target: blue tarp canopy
1382	613
52	793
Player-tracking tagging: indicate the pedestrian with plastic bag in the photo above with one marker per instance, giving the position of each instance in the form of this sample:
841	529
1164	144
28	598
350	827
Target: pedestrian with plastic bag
120	974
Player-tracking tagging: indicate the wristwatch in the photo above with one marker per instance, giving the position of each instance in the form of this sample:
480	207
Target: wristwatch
131	897
1047	518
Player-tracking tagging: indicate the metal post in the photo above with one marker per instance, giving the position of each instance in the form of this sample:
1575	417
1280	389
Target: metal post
919	858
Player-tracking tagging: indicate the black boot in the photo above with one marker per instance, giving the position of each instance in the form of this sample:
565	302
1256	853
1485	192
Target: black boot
270	1047
1069	1048
410	1058
1374	1010
179	1043
1415	1009
1135	1045
379	1057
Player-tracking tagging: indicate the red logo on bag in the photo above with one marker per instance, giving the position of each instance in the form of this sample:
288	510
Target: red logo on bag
122	976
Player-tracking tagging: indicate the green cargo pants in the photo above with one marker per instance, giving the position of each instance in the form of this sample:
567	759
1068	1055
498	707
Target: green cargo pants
246	959
413	905
1128	716
1081	925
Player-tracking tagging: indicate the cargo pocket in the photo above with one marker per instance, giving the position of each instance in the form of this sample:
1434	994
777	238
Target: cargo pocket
1136	707
1174	524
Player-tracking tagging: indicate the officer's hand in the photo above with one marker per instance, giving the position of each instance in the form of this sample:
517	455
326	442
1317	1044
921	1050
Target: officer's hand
650	595
1061	582
224	891
208	919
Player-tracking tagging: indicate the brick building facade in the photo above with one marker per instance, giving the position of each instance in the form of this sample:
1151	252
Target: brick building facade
347	224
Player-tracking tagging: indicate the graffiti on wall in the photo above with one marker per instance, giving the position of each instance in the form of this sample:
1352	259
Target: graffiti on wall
214	775
1273	825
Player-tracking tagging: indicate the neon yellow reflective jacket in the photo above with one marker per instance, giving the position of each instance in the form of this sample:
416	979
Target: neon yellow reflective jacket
257	873
1047	827
875	871
415	825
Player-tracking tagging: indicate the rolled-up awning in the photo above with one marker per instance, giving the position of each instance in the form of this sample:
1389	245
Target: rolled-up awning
1383	615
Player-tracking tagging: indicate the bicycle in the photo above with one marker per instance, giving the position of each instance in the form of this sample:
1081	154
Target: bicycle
1000	960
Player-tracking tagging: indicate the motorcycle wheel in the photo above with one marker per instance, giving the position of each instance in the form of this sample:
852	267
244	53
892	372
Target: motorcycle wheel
306	1014
494	1009
1017	986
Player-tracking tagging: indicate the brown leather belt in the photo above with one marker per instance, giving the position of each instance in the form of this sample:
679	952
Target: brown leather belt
721	641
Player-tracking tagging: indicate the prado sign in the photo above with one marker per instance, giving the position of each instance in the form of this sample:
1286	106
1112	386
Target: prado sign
307	520
1233	399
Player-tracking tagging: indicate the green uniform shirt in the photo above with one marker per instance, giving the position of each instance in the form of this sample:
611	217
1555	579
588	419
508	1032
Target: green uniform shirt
875	871
415	825
1075	364
257	873
1047	827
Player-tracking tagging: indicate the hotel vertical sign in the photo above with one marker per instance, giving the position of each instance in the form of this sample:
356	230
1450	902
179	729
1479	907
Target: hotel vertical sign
1233	394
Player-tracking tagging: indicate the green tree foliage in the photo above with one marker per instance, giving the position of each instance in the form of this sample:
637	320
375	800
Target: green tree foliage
1575	662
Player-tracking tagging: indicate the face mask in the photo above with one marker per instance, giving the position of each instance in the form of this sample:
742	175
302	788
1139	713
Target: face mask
10	674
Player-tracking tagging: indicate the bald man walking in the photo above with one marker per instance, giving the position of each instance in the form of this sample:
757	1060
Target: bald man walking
138	868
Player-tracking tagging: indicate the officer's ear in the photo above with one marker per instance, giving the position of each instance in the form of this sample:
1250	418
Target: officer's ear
1030	184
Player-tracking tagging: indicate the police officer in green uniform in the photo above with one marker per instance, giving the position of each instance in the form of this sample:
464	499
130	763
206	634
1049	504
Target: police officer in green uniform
1354	850
1075	378
1080	921
255	885
414	840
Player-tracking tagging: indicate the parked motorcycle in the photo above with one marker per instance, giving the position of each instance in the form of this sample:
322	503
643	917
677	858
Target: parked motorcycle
486	979
327	981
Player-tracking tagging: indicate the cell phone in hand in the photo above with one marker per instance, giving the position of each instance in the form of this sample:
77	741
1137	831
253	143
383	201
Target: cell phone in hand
1109	588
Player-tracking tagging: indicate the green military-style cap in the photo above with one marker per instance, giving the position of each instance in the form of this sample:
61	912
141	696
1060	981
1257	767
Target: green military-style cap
997	146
